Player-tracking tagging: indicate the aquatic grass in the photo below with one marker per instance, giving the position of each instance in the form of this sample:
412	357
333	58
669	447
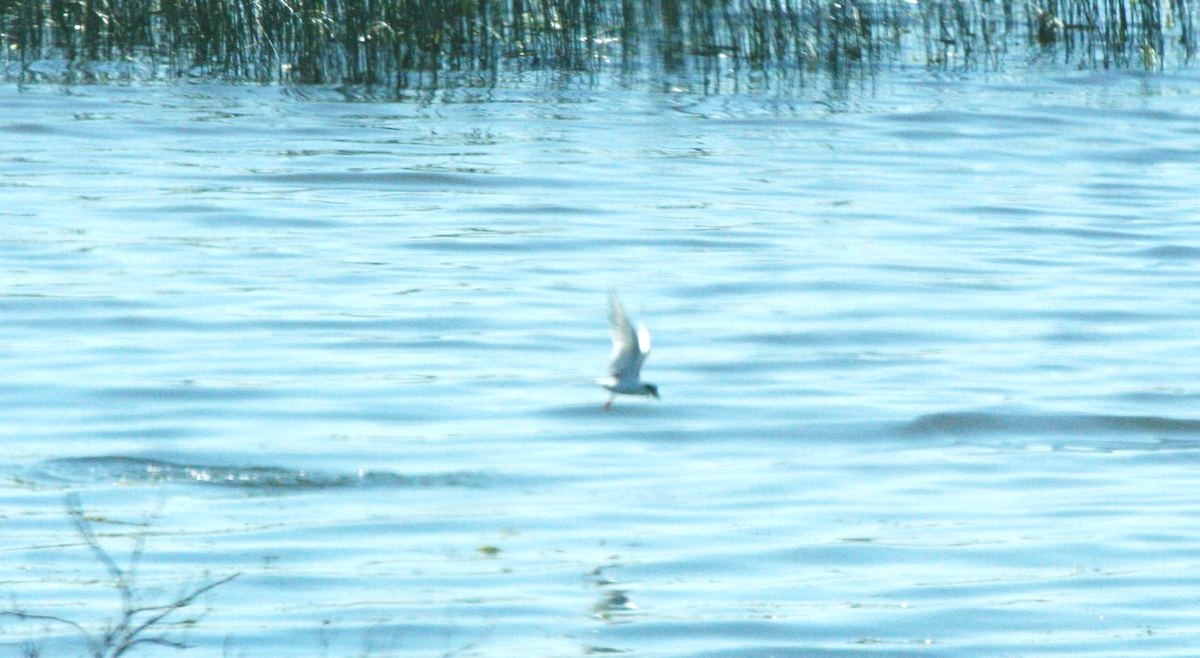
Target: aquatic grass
718	44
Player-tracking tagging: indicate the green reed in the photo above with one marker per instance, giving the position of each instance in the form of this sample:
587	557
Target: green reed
721	44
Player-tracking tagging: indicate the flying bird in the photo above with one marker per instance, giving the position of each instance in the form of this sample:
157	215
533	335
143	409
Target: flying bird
629	353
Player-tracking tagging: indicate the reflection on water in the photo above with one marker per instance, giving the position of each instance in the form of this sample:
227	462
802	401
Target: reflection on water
973	423
705	46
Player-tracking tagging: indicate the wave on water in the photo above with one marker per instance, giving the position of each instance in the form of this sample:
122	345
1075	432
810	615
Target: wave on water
977	423
136	470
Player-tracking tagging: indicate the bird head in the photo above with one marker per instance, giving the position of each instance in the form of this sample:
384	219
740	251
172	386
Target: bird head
651	389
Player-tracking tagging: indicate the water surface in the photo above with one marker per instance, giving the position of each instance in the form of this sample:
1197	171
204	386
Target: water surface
927	355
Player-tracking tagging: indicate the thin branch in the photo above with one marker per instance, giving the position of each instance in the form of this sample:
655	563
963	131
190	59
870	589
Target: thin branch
470	645
139	545
180	603
161	641
84	528
125	631
25	616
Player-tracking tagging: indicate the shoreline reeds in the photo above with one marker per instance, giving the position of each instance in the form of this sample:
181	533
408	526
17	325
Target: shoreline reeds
402	44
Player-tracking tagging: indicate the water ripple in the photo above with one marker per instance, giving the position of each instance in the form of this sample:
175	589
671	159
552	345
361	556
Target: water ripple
976	423
119	469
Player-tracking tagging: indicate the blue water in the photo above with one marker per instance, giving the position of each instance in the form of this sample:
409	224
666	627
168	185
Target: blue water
927	353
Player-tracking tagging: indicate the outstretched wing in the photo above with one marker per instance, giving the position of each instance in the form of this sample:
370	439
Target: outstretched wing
629	349
643	344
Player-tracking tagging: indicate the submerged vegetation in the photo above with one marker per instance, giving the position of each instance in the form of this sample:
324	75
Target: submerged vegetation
716	44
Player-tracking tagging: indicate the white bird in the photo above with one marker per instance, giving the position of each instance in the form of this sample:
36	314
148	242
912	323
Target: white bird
629	353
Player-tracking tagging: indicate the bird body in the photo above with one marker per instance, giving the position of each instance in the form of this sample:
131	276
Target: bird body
629	353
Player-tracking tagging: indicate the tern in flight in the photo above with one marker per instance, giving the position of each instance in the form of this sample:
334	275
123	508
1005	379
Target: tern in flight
629	353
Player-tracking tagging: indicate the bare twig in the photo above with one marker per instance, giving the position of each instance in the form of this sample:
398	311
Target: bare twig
135	624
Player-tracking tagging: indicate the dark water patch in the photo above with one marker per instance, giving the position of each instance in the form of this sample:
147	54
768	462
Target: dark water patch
1161	396
1150	155
929	134
621	409
65	254
981	423
977	124
1074	232
997	211
28	129
1102	316
841	338
739	367
41	303
754	632
435	343
859	286
188	209
479	232
414	407
121	323
403	324
1171	252
741	289
1161	116
410	180
143	434
1067	337
432	343
939	270
537	209
720	243
119	470
230	220
183	393
494	242
1121	192
935	117
845	361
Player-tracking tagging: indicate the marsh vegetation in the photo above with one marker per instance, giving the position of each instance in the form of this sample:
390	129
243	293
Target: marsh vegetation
713	45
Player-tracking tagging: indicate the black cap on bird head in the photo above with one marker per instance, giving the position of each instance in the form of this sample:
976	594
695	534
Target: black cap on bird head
651	389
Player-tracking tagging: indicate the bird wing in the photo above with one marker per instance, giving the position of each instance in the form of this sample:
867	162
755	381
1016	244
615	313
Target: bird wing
629	350
643	344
